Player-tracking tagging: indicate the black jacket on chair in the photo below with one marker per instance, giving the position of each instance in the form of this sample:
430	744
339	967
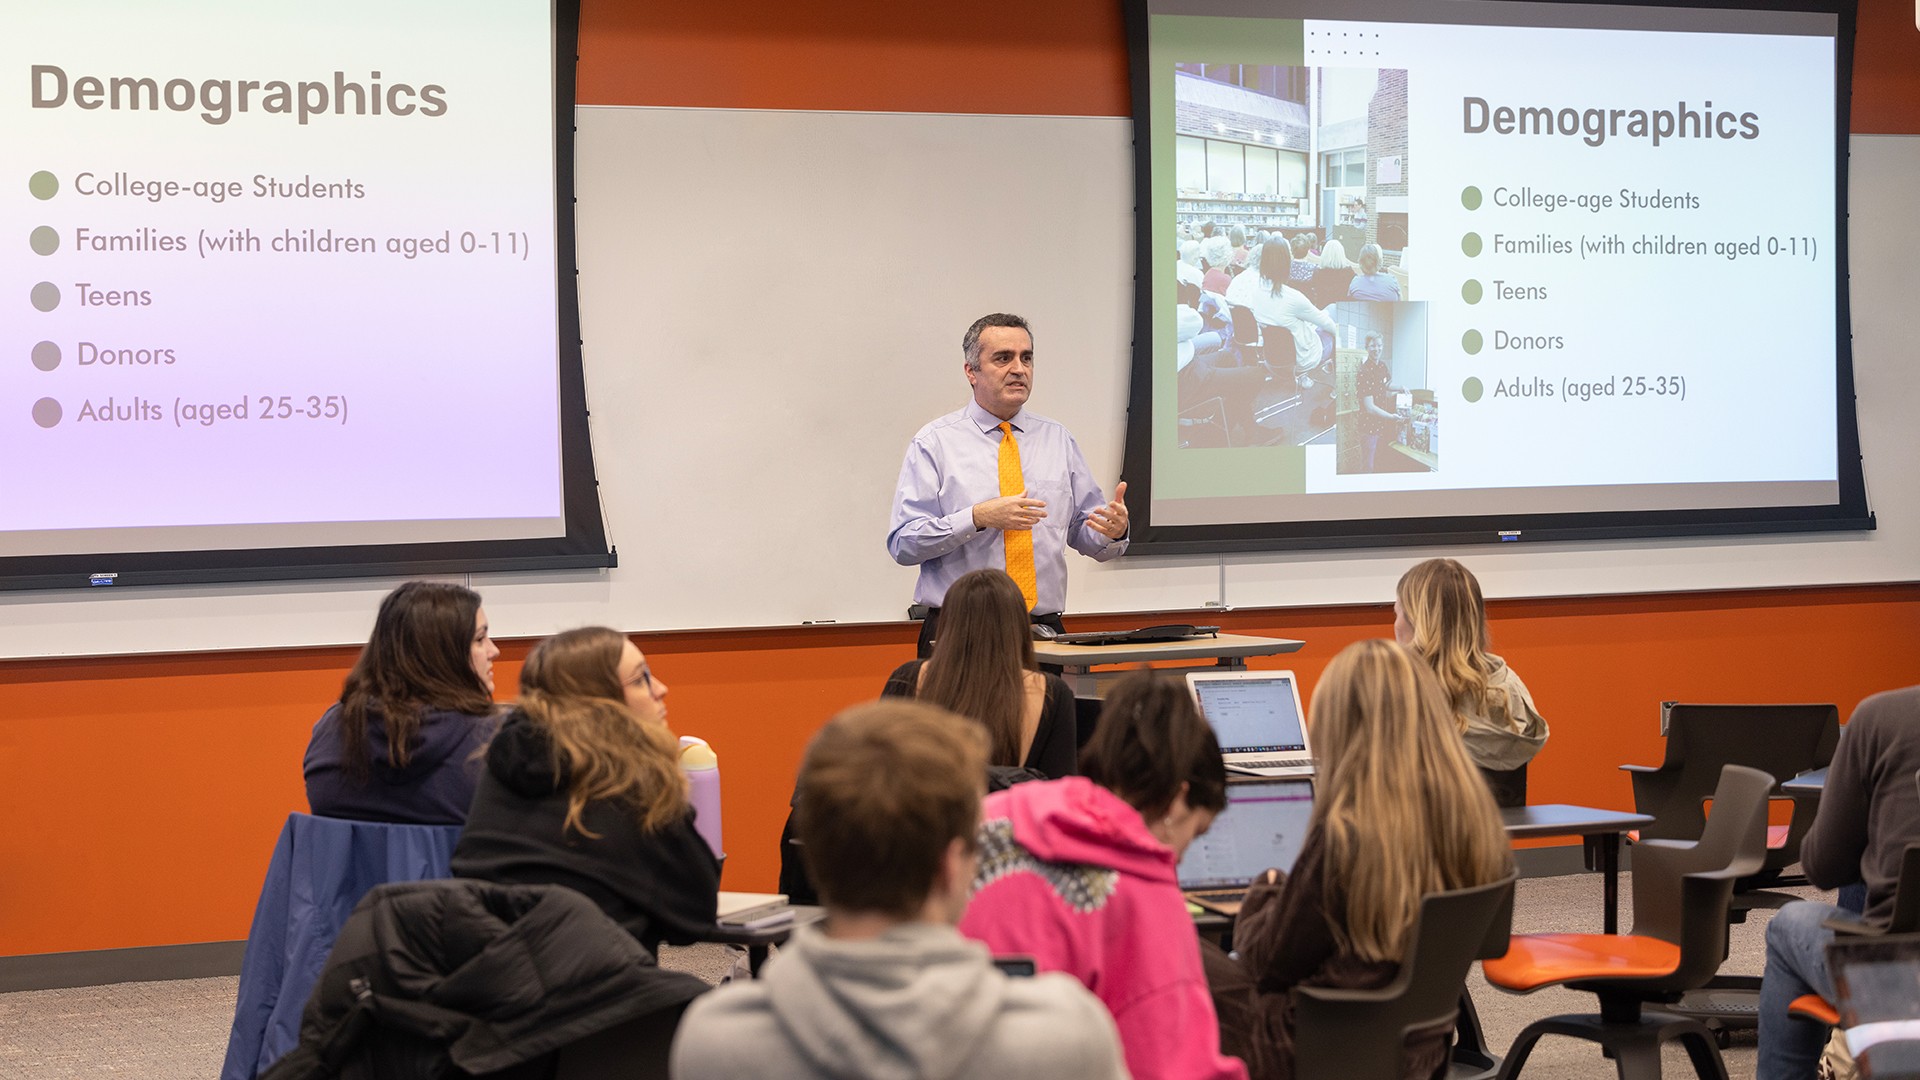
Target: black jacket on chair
465	978
660	885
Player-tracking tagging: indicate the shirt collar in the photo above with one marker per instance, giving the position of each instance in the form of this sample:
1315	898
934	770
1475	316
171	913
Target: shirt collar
988	422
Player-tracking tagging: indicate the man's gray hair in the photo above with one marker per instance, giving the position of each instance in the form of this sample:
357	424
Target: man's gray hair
970	344
1373	336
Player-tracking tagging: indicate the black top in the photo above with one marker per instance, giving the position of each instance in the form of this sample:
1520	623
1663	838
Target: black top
435	787
1371	381
660	885
1054	752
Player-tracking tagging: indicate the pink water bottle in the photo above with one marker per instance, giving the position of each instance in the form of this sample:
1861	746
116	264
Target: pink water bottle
702	767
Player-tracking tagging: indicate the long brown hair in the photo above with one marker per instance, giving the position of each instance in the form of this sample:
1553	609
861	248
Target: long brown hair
1400	807
571	688
981	658
1152	739
1442	600
419	657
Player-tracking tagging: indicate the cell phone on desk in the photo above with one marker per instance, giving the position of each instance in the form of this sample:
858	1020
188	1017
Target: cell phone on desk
1022	966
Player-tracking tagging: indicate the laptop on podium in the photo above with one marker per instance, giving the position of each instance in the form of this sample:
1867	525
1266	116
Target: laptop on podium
1257	717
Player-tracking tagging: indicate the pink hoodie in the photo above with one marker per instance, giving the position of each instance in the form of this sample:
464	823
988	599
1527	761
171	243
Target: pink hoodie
1070	876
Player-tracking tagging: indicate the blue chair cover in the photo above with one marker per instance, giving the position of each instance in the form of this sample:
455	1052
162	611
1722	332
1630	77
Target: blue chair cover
321	868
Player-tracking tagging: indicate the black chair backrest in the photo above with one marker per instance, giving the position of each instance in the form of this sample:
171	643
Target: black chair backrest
1681	890
1246	329
1361	1034
1780	740
1906	896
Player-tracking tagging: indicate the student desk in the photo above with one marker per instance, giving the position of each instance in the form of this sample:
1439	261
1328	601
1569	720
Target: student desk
1599	832
1811	782
759	941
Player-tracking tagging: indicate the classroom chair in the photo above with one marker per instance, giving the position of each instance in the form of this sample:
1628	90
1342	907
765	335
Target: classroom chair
1361	1034
1680	896
321	868
1781	740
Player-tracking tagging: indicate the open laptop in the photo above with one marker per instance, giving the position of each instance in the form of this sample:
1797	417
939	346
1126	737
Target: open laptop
1877	983
1263	826
1256	715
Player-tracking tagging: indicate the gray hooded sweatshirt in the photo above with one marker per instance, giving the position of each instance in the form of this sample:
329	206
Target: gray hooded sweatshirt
919	1002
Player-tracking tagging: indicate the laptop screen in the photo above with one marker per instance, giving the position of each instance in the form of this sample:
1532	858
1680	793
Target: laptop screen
1257	715
1263	826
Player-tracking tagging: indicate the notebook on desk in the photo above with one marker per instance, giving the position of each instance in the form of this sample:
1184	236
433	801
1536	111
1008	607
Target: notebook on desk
1256	715
1262	827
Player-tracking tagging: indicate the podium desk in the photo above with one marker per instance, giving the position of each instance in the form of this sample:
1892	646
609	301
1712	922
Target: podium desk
1078	663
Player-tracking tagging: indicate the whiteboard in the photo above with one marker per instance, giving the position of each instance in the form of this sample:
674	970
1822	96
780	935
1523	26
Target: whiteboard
772	305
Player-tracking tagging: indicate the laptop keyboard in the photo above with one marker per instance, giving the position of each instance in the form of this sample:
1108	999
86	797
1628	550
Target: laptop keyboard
1277	763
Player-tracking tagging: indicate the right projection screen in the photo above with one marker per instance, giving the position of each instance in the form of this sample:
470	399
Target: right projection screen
1478	271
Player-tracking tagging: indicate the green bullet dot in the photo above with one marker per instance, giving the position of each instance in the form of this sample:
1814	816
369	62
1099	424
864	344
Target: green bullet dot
46	356
1470	198
1470	244
1471	390
1470	292
1471	342
43	184
46	296
45	240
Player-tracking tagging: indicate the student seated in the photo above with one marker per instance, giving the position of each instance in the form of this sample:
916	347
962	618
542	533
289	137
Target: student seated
983	667
1398	813
1267	290
1080	874
400	744
1869	813
583	788
1371	282
1438	612
886	987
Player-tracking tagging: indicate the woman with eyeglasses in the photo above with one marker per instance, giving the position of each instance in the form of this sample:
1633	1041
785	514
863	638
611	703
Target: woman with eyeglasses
583	788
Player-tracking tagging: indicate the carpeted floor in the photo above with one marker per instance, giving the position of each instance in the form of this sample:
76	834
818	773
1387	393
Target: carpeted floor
178	1030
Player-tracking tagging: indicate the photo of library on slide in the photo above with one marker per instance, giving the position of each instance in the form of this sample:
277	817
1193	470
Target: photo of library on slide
1290	201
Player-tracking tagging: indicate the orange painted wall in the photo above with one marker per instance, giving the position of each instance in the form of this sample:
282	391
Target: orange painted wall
139	797
1062	58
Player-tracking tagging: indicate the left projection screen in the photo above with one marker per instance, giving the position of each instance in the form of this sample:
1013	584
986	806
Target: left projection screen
290	292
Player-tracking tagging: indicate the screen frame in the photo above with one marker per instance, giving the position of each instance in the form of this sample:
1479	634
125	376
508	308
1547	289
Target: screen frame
1849	513
582	546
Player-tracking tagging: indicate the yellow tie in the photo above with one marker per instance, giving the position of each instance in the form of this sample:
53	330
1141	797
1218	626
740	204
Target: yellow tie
1019	541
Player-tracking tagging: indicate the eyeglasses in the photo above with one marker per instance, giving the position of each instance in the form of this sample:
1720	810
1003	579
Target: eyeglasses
642	678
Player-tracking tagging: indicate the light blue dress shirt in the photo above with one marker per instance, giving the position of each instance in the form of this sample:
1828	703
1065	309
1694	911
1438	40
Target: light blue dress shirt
954	463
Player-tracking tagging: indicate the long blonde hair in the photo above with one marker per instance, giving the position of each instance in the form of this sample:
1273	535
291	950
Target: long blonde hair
1442	600
1401	810
570	687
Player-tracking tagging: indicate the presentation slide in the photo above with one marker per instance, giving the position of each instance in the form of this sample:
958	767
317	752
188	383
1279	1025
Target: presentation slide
278	275
1524	259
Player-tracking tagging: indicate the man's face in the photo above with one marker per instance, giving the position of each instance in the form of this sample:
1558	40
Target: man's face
1005	378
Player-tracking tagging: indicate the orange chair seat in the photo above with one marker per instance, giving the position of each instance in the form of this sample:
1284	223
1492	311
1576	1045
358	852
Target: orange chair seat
1814	1007
1536	960
1776	836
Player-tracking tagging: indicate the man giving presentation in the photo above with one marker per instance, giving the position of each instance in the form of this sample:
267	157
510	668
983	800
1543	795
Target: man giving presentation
994	485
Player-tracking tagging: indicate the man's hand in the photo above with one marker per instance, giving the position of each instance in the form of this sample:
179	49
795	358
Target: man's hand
1110	520
1011	513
